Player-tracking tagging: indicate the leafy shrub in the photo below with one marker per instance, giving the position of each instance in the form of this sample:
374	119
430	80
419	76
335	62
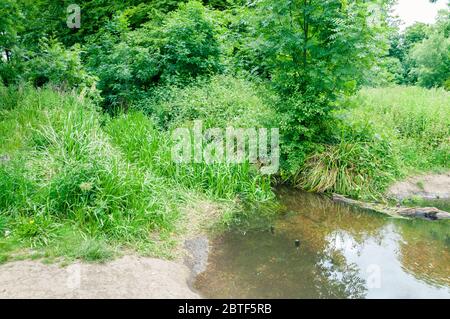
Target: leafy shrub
58	66
447	85
189	47
432	60
431	57
219	101
175	50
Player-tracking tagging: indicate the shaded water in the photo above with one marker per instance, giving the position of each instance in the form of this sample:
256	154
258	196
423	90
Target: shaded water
343	253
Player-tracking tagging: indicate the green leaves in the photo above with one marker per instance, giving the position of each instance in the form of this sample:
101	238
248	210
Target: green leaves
431	57
177	49
59	66
317	51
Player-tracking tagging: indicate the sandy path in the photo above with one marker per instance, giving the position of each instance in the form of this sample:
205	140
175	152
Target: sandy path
127	277
431	186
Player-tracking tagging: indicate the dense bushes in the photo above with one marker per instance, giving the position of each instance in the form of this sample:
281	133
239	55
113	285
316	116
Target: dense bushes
432	60
51	64
59	66
423	52
180	47
74	173
220	101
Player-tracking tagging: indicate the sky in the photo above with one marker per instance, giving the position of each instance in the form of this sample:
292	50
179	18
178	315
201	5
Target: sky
411	11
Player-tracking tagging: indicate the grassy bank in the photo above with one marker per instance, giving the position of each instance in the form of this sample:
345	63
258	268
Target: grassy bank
384	135
78	183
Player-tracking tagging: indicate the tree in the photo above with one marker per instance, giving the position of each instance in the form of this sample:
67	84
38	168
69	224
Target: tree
317	51
431	57
178	47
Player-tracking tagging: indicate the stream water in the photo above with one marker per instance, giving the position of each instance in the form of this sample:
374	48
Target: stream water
343	253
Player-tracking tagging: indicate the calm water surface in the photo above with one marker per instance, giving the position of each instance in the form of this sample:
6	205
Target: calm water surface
343	253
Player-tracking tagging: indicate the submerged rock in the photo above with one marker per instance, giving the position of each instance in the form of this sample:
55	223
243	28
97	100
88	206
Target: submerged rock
196	258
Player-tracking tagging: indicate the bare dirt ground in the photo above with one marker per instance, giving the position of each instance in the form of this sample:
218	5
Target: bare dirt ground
433	186
127	277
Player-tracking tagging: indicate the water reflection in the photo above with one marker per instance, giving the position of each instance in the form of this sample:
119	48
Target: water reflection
343	253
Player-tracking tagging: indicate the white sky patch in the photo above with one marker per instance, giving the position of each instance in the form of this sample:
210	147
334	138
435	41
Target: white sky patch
410	11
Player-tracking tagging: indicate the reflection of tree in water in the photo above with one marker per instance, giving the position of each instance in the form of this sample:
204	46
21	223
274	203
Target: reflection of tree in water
425	250
342	277
317	217
268	266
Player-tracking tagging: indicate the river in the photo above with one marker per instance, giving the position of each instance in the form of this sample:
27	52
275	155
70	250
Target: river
342	252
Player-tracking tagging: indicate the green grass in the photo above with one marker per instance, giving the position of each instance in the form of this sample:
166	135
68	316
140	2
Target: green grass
64	171
83	185
385	135
220	181
416	120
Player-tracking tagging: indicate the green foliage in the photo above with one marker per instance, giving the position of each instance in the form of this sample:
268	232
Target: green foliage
11	22
58	66
177	49
415	120
71	174
221	181
317	51
188	45
431	57
81	183
386	134
16	187
220	101
387	71
117	182
423	51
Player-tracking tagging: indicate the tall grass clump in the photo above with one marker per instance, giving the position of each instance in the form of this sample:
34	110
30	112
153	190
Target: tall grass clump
415	120
65	172
218	102
361	164
385	134
138	138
